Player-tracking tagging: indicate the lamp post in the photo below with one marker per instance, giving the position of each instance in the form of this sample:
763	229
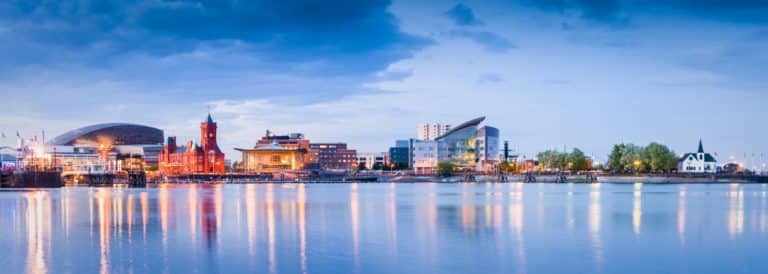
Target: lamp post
637	164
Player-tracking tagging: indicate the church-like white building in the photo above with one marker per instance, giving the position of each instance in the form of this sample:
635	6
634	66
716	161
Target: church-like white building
699	162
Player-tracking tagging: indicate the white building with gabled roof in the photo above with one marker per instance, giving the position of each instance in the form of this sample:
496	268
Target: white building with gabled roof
699	162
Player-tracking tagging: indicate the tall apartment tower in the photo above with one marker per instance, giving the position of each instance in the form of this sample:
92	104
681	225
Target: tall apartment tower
429	131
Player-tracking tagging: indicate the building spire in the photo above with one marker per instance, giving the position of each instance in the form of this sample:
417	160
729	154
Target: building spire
210	119
701	148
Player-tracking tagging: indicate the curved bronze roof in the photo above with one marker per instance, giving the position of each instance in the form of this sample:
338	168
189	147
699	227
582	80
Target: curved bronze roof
117	133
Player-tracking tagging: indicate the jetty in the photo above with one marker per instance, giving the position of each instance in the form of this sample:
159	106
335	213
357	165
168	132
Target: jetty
31	179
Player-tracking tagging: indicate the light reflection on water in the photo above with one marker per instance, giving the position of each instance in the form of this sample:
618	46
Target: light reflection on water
387	228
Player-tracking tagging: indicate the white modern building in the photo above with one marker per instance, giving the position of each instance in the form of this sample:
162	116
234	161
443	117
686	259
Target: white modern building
369	160
428	131
487	143
699	162
423	155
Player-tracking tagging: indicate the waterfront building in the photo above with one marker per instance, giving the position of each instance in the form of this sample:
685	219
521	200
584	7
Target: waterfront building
423	156
399	154
112	146
372	160
487	143
334	156
698	162
295	141
470	148
193	158
430	131
273	157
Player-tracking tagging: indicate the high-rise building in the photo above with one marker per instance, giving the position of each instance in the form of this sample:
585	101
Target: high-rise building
430	131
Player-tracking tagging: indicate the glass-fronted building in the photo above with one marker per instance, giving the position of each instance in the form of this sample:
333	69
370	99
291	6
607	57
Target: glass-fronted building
458	145
399	154
469	147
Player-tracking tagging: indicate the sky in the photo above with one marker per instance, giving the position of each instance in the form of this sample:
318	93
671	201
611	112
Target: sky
547	73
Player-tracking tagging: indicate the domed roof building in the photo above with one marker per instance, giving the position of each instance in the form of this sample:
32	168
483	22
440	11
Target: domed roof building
116	146
111	133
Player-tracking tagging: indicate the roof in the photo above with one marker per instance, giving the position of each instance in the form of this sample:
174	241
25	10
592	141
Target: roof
708	158
132	133
470	123
270	147
210	119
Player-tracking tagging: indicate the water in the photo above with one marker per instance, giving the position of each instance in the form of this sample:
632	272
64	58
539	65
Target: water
387	228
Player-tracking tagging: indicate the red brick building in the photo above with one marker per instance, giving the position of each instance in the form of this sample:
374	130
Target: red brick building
334	156
193	158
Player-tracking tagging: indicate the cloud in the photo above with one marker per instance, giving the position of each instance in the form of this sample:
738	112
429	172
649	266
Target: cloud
603	11
618	12
463	16
338	36
492	42
737	11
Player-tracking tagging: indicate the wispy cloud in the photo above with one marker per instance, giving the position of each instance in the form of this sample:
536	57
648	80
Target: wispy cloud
492	42
463	15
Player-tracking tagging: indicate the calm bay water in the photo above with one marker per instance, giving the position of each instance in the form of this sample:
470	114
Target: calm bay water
387	228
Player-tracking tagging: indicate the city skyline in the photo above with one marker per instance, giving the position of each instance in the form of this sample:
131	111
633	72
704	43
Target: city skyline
579	75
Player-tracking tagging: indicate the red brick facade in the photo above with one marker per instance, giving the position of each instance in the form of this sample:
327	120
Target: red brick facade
192	158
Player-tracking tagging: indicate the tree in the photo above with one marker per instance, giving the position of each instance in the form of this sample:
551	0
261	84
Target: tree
552	159
577	160
654	158
377	166
614	159
659	157
632	158
361	166
445	168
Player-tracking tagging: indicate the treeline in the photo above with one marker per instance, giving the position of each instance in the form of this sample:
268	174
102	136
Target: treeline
654	157
574	160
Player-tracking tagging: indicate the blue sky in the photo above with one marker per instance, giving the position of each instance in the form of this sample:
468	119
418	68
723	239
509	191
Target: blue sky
548	73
